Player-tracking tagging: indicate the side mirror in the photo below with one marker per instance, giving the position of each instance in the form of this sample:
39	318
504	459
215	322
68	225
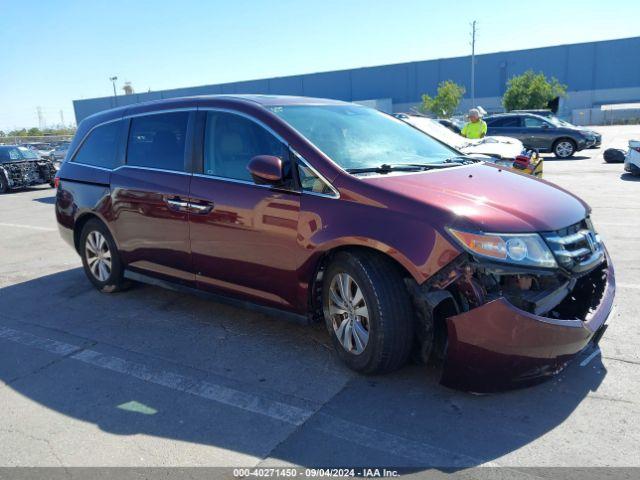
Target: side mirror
545	125
266	169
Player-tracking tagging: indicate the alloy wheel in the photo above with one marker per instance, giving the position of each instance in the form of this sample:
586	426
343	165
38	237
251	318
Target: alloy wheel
98	256
349	313
564	149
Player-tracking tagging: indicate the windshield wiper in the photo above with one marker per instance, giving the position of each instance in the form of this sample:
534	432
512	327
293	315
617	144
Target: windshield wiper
414	167
386	168
462	160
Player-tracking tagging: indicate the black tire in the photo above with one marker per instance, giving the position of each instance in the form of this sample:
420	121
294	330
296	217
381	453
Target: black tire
390	312
561	148
4	186
614	155
115	281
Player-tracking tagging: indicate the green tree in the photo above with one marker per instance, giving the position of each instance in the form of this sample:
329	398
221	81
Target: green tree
18	133
446	101
531	90
34	132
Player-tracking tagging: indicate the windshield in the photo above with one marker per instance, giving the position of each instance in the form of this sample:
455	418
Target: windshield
557	122
438	131
359	137
27	153
12	154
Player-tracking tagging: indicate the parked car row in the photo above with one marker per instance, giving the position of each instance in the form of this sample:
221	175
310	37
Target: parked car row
54	151
504	151
334	212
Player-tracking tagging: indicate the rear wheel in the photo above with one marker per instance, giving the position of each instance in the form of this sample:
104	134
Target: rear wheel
100	257
564	148
368	312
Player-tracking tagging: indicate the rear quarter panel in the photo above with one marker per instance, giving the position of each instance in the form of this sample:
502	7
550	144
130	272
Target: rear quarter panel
82	190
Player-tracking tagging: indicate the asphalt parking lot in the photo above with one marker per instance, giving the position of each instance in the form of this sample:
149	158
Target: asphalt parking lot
151	377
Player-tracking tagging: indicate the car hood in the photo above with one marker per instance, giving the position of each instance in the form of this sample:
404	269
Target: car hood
487	198
494	146
495	139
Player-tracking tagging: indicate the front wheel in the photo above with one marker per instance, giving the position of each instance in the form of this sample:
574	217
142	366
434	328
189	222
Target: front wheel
100	258
368	312
4	186
564	148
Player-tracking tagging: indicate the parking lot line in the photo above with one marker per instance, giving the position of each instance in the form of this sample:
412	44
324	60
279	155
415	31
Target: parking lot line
587	360
210	391
368	437
32	227
46	344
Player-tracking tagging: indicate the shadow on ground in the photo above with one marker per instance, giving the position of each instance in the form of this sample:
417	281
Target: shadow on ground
402	419
553	158
47	200
627	177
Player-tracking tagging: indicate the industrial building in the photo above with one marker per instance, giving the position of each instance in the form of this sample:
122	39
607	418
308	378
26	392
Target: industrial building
597	74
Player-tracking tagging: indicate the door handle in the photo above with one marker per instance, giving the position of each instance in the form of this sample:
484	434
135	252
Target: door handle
200	208
176	203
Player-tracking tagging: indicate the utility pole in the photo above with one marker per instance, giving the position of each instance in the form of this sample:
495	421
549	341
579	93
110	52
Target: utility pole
61	119
115	95
473	64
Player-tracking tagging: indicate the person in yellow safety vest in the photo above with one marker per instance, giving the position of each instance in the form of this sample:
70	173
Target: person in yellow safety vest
475	127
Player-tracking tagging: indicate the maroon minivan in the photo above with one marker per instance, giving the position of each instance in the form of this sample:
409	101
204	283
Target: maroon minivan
335	212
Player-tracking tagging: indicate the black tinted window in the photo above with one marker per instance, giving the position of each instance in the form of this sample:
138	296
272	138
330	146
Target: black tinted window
504	122
99	149
157	141
231	141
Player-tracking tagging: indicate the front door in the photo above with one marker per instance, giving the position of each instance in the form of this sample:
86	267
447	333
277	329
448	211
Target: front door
150	195
243	235
537	133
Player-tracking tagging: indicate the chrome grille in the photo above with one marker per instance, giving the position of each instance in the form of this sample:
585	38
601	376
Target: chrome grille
577	248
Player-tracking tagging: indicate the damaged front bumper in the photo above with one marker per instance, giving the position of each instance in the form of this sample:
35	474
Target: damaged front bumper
21	174
498	346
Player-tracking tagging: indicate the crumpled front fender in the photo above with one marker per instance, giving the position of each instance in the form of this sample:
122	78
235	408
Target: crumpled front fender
498	346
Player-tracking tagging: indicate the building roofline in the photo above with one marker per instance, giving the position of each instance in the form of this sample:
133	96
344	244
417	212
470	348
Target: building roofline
343	70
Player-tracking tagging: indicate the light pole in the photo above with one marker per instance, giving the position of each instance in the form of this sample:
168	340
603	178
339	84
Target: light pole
473	64
113	81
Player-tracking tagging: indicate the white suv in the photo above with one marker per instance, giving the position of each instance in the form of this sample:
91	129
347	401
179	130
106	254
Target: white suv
632	159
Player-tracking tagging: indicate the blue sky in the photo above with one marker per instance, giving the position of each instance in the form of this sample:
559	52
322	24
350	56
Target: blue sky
56	51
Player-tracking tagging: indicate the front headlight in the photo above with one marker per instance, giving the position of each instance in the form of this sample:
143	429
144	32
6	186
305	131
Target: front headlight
527	249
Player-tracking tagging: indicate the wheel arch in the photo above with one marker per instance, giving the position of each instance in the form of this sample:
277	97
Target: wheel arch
81	221
314	291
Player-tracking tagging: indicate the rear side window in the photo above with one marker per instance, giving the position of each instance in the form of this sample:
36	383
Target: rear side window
157	141
99	149
231	141
504	122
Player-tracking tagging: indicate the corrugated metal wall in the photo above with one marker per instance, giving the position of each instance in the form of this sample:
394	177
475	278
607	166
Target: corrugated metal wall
592	66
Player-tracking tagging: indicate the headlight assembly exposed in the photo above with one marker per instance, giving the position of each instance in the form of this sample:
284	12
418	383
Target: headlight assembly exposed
526	249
